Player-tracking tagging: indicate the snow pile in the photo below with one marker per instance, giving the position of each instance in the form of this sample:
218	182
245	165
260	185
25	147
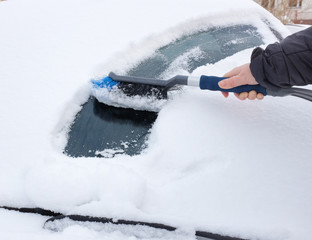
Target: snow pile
213	164
85	183
117	98
109	153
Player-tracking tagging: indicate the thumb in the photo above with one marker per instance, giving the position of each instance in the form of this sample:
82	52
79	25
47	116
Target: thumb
231	82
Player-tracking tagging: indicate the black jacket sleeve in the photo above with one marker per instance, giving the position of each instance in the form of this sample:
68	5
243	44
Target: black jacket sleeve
284	64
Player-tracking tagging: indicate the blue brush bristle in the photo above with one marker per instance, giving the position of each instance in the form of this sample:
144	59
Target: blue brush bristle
131	88
106	82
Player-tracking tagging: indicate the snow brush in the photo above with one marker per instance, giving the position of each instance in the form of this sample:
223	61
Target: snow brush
156	89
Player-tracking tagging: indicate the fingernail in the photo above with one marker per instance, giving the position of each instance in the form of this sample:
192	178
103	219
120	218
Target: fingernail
222	84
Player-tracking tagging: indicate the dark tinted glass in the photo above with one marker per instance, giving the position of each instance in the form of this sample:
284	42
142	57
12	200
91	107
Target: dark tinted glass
104	131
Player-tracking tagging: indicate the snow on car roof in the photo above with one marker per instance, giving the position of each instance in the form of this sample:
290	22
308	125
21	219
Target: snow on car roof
235	168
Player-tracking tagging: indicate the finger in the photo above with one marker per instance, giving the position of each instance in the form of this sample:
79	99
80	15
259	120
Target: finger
241	96
233	72
225	94
260	96
231	82
252	95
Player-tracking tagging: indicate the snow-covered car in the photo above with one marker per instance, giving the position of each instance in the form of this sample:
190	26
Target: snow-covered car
293	28
203	164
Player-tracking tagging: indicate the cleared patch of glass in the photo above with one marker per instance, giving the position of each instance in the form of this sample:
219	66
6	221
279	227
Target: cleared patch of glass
104	131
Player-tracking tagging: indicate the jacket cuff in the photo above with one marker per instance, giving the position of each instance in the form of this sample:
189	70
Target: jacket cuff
257	69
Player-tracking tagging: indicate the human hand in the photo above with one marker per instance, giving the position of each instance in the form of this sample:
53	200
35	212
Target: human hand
240	76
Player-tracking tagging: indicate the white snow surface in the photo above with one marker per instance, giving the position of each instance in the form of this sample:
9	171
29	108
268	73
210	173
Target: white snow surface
237	168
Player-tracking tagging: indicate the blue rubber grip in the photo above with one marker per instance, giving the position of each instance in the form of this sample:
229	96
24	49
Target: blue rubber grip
211	83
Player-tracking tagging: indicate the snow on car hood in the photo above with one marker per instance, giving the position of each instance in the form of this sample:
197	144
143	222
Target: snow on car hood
214	164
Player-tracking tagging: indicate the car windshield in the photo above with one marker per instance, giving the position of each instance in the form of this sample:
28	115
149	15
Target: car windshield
198	49
104	131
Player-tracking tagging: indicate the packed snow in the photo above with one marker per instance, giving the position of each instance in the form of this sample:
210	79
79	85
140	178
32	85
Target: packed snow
117	98
213	164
